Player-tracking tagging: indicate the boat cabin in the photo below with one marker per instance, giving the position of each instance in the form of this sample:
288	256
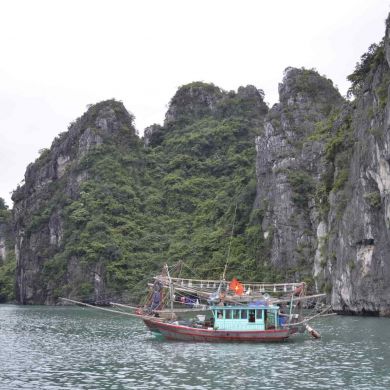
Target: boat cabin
246	317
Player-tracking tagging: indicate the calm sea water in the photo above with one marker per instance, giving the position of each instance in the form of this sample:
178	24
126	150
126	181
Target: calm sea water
76	348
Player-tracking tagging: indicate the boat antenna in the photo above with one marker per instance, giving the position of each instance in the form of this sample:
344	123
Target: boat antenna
230	244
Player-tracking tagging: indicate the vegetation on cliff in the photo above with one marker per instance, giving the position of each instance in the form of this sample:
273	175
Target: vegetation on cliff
140	206
102	209
8	264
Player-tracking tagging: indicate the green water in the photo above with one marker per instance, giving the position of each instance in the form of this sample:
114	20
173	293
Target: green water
75	348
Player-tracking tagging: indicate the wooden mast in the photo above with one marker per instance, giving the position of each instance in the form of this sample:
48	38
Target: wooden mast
170	290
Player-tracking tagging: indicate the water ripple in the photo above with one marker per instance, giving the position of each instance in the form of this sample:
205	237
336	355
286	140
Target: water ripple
75	348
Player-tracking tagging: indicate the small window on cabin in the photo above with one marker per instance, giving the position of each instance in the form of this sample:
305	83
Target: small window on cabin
259	314
228	314
252	316
236	314
220	314
244	314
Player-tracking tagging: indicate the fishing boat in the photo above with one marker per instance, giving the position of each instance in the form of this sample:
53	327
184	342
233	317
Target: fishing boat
235	311
249	323
201	310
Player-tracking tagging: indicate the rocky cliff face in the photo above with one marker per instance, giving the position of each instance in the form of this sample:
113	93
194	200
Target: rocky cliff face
99	210
198	100
358	221
53	182
289	166
323	184
7	256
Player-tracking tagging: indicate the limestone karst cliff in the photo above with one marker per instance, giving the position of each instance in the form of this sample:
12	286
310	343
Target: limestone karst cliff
289	167
323	184
7	254
102	209
358	224
48	207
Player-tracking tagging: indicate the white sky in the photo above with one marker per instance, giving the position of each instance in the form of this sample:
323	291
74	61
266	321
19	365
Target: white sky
57	56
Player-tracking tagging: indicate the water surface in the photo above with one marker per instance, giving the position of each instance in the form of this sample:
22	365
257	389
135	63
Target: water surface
76	348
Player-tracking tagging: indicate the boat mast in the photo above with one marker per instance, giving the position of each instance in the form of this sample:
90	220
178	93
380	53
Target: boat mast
170	288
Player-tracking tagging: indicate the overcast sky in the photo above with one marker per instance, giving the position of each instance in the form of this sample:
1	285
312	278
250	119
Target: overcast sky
59	56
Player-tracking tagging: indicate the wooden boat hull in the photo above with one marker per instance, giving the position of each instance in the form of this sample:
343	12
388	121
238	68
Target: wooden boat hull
185	333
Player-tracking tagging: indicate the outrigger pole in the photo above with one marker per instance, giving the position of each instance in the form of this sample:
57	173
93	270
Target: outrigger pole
101	308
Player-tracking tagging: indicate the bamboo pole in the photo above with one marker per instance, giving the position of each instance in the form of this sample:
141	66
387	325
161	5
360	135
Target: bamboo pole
122	305
305	321
103	309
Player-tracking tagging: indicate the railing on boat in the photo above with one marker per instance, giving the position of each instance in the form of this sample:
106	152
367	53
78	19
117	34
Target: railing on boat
255	287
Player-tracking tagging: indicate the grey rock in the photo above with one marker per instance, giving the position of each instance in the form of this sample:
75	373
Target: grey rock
37	242
287	159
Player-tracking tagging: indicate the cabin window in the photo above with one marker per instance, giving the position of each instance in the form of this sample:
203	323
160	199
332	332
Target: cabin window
220	314
236	314
228	314
259	314
244	314
252	316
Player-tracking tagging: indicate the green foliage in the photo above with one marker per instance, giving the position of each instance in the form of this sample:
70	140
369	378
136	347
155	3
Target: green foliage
336	133
351	264
302	185
339	141
374	199
322	191
341	178
303	81
328	288
3	205
174	200
382	90
7	267
368	61
7	279
188	196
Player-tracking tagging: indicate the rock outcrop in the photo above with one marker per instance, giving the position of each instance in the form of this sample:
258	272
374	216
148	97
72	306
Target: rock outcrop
359	218
198	100
289	166
323	168
52	182
99	209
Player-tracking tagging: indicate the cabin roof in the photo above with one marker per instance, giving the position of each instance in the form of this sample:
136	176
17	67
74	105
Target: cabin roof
250	307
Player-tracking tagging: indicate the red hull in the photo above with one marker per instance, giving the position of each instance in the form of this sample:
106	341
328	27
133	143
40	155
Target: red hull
186	333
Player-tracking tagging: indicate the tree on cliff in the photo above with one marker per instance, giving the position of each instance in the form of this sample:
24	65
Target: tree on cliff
3	205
